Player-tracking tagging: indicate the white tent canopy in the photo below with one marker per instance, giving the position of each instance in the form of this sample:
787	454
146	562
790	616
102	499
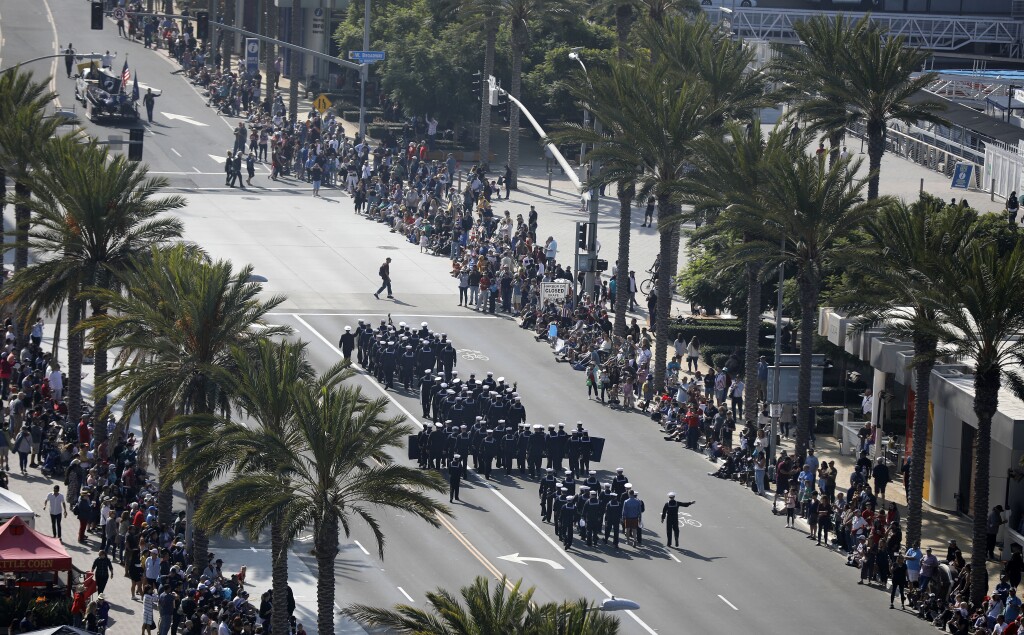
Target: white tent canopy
12	504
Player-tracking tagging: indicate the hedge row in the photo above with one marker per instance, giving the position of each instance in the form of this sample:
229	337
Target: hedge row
719	333
716	356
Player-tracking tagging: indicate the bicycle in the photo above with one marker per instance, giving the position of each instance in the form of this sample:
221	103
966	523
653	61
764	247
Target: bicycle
648	284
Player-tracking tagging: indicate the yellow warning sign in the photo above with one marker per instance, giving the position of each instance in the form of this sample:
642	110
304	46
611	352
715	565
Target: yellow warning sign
321	103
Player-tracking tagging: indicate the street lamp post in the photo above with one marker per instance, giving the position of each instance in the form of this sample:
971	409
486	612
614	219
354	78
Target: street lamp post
84	56
593	204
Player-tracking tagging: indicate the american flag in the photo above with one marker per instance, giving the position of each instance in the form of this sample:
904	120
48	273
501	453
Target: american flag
126	75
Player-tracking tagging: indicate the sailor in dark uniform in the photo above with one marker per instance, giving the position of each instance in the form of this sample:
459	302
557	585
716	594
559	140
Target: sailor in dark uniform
425	393
586	450
437	441
347	343
547	490
574	452
619	483
455	472
612	519
522	446
535	450
488	450
593	513
567	515
670	516
407	366
508	449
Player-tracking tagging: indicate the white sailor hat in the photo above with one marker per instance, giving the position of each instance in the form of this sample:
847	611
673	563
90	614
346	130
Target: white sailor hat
391	343
549	469
455	373
348	328
490	431
516	395
423	323
561	425
501	421
438	378
537	426
408	347
444	385
401	324
568	471
447	421
462	427
489	373
456	456
450	391
479	418
564	489
501	380
427	374
618	469
671	494
569	498
592	472
438	425
629	486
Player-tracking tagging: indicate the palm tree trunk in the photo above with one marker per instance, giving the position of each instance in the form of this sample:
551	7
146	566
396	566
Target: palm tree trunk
271	32
625	193
986	401
279	577
200	540
876	148
491	39
753	331
22	222
808	307
295	68
668	229
165	495
228	46
76	344
924	348
834	139
623	25
326	551
518	46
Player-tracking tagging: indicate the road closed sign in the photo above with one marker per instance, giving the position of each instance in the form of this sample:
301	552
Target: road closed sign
554	291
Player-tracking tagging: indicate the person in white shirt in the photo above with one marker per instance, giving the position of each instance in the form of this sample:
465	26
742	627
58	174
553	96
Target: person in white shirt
736	393
56	382
866	403
55	503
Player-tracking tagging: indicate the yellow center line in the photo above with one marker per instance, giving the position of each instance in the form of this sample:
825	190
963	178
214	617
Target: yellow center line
454	531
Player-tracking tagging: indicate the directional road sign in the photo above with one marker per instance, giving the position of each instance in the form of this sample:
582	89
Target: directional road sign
364	57
322	103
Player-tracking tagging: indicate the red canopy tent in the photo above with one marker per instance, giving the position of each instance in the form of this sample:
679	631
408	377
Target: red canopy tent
25	550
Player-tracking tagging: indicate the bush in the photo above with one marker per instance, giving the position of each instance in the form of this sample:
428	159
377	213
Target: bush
46	613
719	332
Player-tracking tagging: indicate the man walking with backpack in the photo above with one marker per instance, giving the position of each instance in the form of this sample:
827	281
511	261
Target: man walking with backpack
385	279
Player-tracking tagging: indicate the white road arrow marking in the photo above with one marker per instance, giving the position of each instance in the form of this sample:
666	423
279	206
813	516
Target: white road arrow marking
516	558
190	120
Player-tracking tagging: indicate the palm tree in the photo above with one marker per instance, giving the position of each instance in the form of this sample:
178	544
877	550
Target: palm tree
734	169
908	244
813	210
177	324
340	470
295	70
23	103
982	311
520	16
506	609
485	15
94	215
263	384
653	121
857	72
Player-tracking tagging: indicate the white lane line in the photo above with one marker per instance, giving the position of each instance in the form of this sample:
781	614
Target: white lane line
175	152
731	605
407	596
361	547
393	315
673	556
196	169
557	547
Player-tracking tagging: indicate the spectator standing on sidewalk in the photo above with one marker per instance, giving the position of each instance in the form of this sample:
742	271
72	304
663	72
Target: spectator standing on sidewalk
995	519
899	581
55	503
385	277
102	569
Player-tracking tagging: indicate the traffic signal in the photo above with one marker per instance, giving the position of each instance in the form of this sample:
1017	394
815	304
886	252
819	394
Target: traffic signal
135	136
202	25
97	16
581	235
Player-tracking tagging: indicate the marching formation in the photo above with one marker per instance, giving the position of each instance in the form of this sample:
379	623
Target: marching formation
483	422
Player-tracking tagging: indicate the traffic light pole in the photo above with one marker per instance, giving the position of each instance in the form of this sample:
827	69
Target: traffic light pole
593	208
364	72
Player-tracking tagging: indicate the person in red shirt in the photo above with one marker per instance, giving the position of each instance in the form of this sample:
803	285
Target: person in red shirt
6	368
692	428
84	434
137	516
